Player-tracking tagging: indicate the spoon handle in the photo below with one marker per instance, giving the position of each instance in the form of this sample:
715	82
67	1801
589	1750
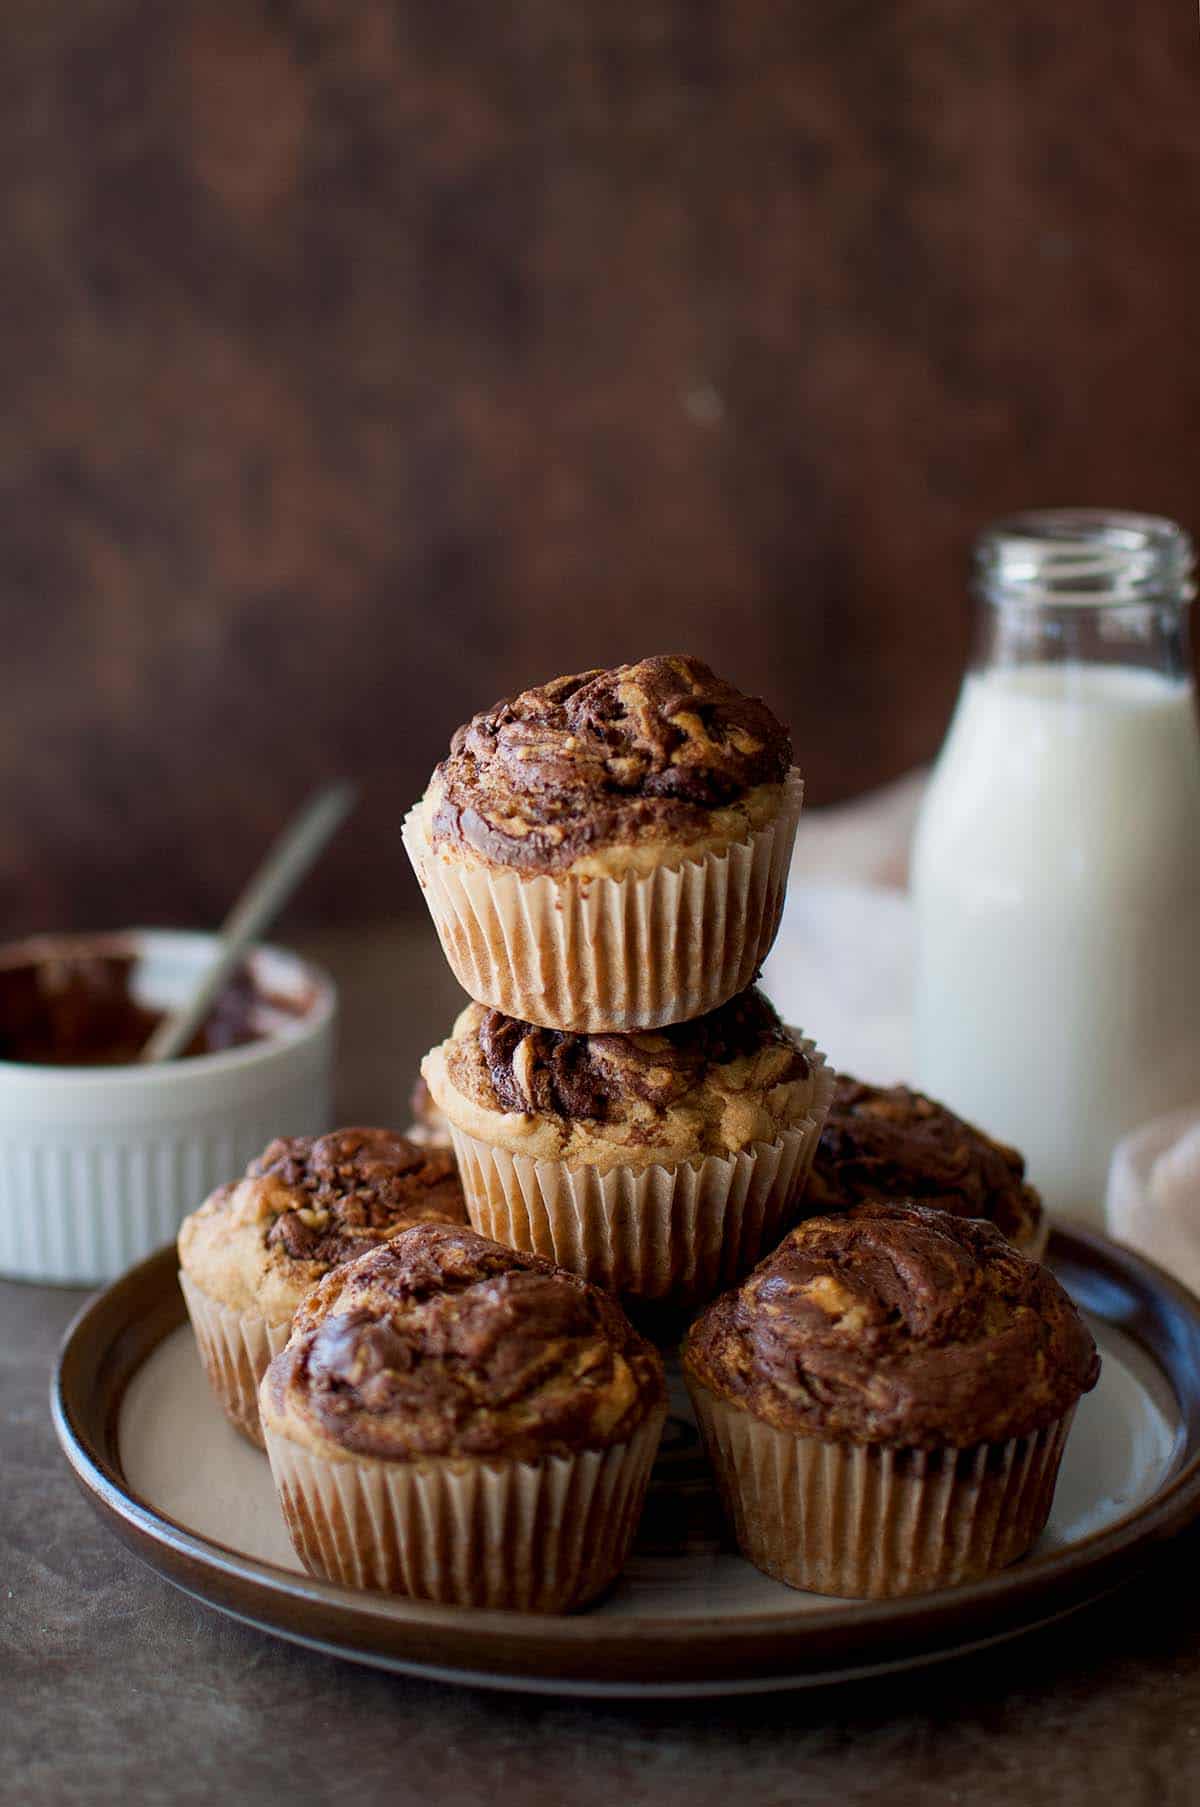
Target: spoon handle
285	865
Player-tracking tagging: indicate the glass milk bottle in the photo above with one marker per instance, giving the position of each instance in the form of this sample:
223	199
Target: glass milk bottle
1056	866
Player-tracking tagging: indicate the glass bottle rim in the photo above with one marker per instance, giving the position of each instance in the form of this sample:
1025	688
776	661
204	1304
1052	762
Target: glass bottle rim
1083	557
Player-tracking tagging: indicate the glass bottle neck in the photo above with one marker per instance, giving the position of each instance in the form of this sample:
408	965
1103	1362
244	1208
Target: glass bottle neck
1150	637
1084	587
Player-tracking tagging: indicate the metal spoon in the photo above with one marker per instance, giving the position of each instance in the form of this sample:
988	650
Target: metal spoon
289	859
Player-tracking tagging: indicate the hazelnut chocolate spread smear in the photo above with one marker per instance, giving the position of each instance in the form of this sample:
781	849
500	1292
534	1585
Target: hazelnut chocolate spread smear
352	1188
80	1010
442	1343
887	1143
592	1076
643	751
897	1325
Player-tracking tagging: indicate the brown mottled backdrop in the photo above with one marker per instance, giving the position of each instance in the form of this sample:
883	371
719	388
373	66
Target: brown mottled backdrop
363	360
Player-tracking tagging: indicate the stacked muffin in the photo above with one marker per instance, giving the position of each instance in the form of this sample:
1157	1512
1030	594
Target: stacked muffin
605	859
608	852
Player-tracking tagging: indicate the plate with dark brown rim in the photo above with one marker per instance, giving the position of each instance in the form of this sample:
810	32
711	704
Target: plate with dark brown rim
152	1453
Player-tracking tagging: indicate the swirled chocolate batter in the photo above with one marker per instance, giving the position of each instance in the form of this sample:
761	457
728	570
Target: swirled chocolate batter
342	1193
710	1086
307	1204
891	1142
897	1325
597	1076
441	1343
651	752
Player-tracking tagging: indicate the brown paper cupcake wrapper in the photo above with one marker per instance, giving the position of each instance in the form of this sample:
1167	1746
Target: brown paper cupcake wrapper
680	1233
605	955
235	1348
528	1536
863	1521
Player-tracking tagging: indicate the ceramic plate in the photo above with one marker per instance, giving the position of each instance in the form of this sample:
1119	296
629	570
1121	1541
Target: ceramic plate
153	1453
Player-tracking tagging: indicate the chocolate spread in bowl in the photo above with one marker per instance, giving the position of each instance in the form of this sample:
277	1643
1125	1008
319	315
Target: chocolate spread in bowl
79	1010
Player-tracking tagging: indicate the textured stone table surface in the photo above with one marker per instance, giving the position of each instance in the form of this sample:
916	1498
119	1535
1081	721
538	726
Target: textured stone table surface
115	1687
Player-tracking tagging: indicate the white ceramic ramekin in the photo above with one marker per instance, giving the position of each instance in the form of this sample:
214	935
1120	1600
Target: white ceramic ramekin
99	1165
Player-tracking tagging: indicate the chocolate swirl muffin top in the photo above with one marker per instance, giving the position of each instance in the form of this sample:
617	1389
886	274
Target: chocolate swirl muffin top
642	753
886	1143
349	1189
442	1343
710	1086
598	1076
896	1325
310	1203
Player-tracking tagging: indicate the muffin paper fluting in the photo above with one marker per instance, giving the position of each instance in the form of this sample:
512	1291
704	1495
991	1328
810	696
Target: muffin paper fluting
679	1233
864	1521
236	1348
526	1536
607	955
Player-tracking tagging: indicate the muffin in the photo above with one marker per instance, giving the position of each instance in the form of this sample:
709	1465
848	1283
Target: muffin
890	1142
609	852
307	1204
463	1423
886	1400
658	1165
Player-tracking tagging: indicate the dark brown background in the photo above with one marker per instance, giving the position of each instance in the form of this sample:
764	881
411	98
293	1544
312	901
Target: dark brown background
362	361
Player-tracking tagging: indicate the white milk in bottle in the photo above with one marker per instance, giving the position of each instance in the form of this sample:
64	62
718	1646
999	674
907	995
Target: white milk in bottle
1056	867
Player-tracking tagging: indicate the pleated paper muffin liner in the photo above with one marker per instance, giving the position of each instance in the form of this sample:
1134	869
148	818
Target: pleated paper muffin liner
610	955
862	1521
542	1536
679	1233
236	1348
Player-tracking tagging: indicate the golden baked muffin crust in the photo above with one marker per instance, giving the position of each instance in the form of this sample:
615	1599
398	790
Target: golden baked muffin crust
900	1326
442	1344
709	1086
653	756
888	1142
307	1204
